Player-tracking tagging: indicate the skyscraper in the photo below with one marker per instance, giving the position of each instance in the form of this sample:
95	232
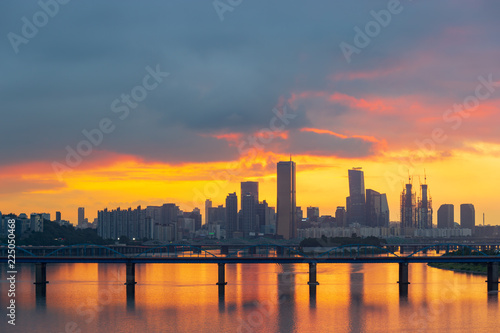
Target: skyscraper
408	208
81	216
248	221
231	214
58	216
424	210
286	209
467	216
377	209
208	204
355	202
446	216
250	188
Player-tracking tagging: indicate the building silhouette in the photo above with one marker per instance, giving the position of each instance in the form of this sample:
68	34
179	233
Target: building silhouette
408	208
208	205
231	214
341	217
312	214
81	216
446	216
355	202
377	209
286	205
250	188
248	216
467	216
424	208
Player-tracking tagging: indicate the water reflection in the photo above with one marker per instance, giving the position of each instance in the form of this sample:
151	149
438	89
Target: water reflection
258	298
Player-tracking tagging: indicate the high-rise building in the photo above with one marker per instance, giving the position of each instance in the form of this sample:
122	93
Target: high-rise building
250	188
467	216
231	214
36	222
208	204
355	202
341	217
408	206
446	216
217	215
81	216
249	217
58	216
312	213
377	209
286	209
424	210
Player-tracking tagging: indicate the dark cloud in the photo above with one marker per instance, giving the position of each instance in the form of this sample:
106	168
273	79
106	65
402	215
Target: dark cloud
225	76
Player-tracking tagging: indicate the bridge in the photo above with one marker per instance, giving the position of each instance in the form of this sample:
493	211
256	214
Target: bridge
258	254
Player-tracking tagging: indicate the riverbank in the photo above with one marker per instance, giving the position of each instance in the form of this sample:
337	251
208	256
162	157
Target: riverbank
472	268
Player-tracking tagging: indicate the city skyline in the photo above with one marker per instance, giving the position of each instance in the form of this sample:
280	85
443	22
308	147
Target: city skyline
196	123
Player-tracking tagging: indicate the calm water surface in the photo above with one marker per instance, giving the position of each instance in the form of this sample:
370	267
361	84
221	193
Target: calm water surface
258	298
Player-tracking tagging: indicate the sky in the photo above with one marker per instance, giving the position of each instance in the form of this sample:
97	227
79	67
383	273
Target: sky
126	103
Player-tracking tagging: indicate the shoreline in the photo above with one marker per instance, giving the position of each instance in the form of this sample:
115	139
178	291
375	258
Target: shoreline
457	270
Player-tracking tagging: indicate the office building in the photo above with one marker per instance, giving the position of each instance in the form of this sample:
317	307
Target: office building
312	214
250	188
341	217
58	216
377	209
249	217
208	204
355	202
81	216
231	214
446	216
286	209
467	216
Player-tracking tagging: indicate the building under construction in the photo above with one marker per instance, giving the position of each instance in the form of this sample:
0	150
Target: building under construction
424	208
415	214
408	208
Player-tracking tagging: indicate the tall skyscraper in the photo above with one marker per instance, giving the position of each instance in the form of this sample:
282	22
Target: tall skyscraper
408	208
446	216
208	204
377	209
286	209
355	202
231	214
248	221
81	216
250	188
467	216
424	210
58	216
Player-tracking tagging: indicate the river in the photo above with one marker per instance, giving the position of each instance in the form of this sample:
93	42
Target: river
258	298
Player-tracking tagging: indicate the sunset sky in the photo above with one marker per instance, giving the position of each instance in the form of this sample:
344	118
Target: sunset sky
247	86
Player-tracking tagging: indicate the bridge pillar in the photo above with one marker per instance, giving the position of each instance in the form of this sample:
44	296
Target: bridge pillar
401	249
224	249
280	251
312	274
41	273
437	249
130	274
222	279
252	250
492	276
403	279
